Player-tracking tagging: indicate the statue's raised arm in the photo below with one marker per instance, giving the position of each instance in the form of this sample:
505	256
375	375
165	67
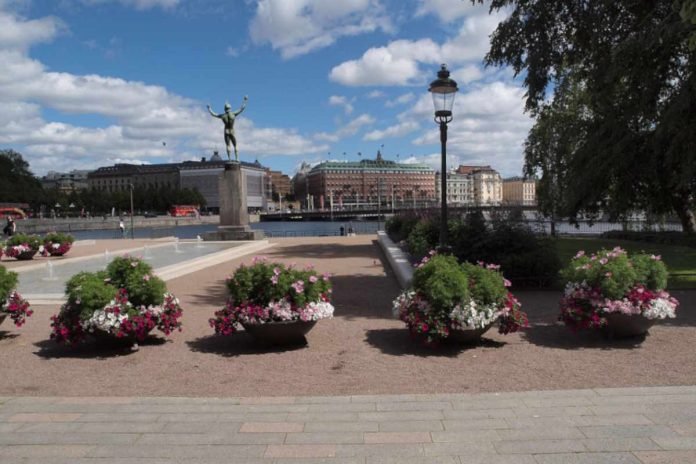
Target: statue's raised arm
241	108
212	113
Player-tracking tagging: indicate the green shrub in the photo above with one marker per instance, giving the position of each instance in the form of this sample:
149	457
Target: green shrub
486	285
137	277
265	282
650	272
399	227
88	292
20	239
442	282
8	282
423	237
58	237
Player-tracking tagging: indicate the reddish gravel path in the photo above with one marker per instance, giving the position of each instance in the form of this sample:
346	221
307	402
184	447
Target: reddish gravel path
362	350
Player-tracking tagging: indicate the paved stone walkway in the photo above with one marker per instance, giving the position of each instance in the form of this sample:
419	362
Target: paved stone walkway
623	425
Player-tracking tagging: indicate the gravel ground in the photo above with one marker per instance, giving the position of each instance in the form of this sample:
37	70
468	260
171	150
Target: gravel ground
363	350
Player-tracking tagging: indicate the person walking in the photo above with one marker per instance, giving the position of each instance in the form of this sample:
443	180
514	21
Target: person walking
10	227
122	228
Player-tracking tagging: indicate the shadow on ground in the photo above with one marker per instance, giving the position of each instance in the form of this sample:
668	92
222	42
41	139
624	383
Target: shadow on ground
5	335
559	336
326	251
48	349
238	344
399	342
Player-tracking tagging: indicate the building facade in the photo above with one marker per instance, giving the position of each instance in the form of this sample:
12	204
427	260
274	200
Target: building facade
202	175
66	182
487	184
460	189
281	185
518	191
119	177
367	183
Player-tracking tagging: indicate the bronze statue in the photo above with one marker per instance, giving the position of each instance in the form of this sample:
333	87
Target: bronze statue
228	118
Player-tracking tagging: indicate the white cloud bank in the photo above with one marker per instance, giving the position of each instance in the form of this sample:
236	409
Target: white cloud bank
140	116
298	27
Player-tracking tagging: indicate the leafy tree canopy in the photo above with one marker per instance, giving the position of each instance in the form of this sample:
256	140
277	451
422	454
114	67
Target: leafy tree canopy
613	88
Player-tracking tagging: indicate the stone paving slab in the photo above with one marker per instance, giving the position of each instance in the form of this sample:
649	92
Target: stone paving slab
626	425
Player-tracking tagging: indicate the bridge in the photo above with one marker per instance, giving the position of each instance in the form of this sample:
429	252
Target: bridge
374	213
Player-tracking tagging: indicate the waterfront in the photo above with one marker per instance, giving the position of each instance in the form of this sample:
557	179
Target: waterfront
271	229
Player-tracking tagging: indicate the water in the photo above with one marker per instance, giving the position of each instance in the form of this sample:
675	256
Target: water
271	229
52	278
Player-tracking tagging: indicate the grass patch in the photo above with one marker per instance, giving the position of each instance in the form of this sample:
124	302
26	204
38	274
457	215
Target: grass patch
680	260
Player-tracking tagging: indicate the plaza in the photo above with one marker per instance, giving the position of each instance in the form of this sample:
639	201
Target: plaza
361	391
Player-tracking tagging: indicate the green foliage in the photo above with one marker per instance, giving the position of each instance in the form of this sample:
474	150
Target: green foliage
614	272
17	183
398	227
89	291
20	239
651	272
423	237
58	237
8	282
265	282
486	285
137	277
621	120
442	282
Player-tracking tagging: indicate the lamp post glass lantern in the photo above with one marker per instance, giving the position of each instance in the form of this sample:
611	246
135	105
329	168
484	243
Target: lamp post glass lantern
443	90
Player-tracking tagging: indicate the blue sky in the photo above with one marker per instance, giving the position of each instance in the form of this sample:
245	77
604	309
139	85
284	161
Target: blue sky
89	83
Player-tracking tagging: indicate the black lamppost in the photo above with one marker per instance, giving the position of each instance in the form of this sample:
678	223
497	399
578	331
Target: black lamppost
443	89
130	185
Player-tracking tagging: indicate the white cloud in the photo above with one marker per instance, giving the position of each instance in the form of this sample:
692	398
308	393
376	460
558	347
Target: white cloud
16	33
489	126
398	130
339	100
298	27
347	130
394	64
400	100
137	4
399	62
447	10
376	94
139	116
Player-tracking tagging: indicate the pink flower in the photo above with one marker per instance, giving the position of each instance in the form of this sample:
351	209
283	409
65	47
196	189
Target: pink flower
313	279
656	257
603	261
325	277
580	254
146	277
276	271
506	282
274	279
298	286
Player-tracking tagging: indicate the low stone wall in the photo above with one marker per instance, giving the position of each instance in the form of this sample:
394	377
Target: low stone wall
40	226
398	260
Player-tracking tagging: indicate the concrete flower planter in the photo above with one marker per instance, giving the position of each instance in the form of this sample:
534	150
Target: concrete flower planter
280	333
626	325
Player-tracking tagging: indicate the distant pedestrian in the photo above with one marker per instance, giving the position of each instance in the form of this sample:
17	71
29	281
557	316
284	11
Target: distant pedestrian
10	227
122	228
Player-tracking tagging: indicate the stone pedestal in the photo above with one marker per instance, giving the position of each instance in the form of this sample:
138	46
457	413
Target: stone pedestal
234	218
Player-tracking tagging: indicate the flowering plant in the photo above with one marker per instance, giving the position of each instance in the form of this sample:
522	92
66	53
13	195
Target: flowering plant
57	244
22	246
611	281
447	296
11	303
272	292
125	301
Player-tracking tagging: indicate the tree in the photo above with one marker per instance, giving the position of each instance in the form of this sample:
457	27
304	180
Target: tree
17	183
633	144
